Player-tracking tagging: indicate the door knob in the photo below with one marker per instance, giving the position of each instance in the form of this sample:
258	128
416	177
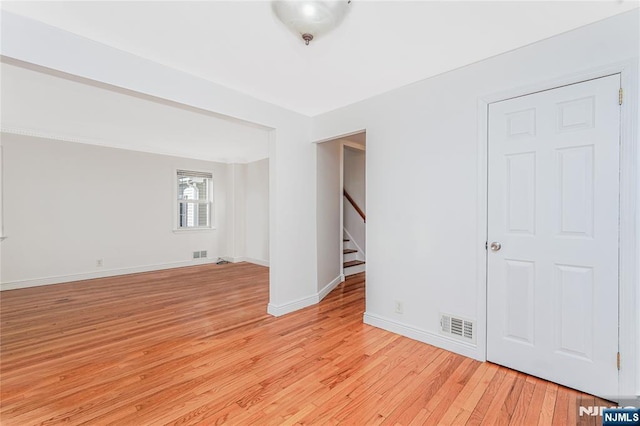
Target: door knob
495	246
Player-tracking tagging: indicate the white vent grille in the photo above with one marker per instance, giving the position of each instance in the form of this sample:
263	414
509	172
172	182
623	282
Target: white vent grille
201	254
458	328
445	323
467	331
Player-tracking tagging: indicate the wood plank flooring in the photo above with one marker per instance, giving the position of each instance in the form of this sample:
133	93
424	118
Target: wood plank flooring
195	346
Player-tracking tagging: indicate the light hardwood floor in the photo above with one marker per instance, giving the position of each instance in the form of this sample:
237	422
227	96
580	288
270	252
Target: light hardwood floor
195	346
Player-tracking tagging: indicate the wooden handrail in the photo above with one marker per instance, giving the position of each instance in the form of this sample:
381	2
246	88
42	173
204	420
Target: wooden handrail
355	206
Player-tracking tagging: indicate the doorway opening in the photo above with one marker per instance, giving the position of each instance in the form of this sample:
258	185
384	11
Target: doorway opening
341	209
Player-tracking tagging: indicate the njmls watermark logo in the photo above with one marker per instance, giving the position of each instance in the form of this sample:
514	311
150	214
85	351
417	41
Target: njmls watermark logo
621	416
625	413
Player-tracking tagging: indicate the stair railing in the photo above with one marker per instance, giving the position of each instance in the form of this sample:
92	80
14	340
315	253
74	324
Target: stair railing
355	206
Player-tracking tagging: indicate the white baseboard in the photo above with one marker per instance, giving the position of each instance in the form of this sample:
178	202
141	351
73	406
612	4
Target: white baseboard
314	299
327	288
14	285
279	310
424	336
247	259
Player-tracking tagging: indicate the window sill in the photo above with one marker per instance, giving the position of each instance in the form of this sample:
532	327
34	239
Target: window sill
188	230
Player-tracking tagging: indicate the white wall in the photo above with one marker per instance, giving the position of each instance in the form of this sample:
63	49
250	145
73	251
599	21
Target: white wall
354	184
69	204
257	211
424	237
292	212
328	213
237	212
249	212
354	176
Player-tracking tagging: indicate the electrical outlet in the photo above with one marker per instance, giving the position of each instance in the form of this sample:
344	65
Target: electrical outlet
398	306
99	263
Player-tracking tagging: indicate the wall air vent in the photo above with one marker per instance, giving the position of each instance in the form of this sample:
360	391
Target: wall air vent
458	328
201	254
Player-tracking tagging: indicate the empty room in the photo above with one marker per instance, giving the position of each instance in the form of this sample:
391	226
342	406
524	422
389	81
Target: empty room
320	212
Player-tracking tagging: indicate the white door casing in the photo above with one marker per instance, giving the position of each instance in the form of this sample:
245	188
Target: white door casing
553	188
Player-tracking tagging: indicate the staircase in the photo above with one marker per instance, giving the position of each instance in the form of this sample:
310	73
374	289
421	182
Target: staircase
352	258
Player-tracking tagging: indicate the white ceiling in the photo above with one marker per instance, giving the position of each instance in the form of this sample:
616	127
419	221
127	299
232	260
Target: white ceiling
45	105
380	46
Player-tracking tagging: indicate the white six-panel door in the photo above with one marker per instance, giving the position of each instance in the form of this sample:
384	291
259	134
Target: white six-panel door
552	296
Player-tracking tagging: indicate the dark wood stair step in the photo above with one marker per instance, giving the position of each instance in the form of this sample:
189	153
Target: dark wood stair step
347	251
353	263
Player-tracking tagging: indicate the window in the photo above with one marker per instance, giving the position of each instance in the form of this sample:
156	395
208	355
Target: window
194	199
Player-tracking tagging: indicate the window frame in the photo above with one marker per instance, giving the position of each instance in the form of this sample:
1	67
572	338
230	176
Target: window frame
177	201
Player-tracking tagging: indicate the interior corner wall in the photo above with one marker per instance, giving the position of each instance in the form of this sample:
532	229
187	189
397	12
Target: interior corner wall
423	233
237	213
66	205
328	206
248	212
257	211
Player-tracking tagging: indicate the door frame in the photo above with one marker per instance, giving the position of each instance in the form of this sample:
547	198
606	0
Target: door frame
343	143
352	145
629	226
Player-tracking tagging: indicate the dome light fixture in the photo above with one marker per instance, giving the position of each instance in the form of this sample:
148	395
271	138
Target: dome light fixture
308	18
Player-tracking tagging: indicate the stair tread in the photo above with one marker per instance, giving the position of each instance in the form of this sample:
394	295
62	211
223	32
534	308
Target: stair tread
347	251
353	263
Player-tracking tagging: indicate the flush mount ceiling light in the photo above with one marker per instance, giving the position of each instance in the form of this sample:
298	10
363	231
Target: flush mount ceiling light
310	19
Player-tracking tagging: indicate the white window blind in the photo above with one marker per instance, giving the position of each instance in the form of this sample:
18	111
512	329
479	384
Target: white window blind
194	203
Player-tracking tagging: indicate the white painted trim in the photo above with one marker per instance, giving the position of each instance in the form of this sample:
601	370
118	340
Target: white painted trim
361	254
341	136
13	285
247	259
329	287
279	310
629	296
354	145
314	299
190	230
341	212
481	236
462	348
274	273
629	252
